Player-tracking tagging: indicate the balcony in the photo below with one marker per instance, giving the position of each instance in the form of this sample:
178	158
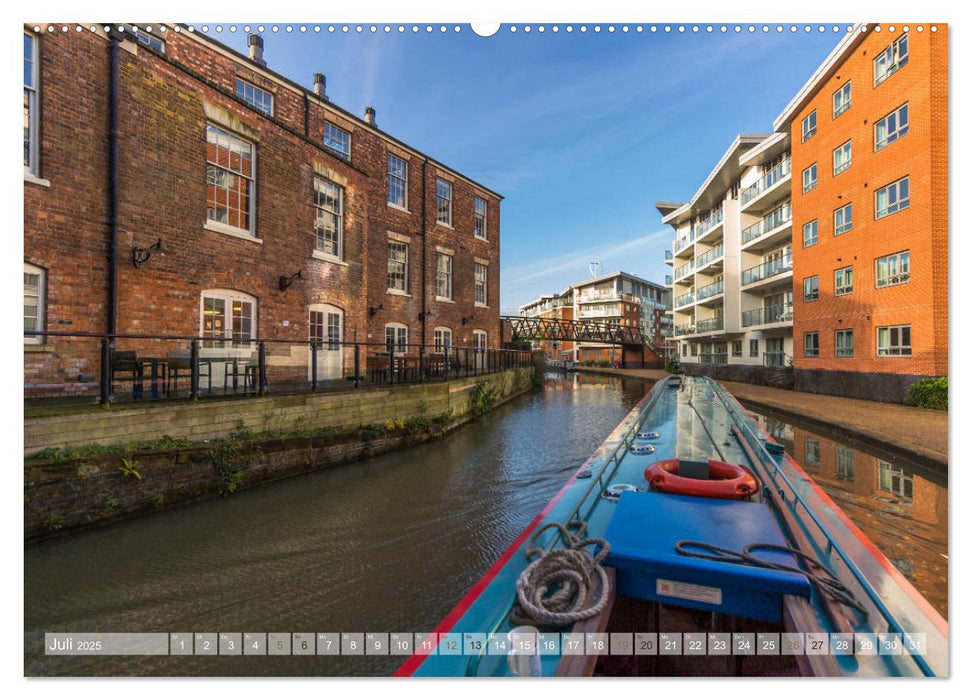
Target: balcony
767	270
684	270
684	300
668	256
714	358
710	325
766	229
684	329
711	256
766	191
705	227
668	280
711	290
779	313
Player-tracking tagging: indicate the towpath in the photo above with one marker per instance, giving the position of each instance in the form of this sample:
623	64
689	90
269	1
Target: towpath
919	433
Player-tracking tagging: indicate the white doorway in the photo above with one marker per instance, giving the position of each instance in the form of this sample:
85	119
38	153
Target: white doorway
327	330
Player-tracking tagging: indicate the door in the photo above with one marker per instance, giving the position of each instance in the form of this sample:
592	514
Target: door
327	330
479	349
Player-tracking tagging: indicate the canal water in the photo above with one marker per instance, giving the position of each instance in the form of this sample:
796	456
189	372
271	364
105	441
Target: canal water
391	544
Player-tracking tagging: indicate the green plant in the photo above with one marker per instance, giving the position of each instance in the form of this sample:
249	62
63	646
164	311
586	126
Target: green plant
49	454
53	522
224	458
481	399
130	468
930	392
110	505
159	501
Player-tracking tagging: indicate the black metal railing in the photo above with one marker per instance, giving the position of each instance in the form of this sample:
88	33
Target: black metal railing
121	367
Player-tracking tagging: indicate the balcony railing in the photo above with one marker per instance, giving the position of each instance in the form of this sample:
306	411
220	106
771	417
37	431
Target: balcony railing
668	255
708	224
771	222
684	329
714	358
767	270
684	299
711	290
668	279
710	256
766	181
683	242
685	269
778	313
711	324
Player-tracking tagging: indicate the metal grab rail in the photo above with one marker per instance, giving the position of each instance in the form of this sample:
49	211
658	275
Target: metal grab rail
406	363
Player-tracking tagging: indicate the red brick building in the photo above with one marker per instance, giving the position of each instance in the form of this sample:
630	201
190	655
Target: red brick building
869	202
247	179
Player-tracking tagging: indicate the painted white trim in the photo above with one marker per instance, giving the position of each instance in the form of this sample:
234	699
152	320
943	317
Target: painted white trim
231	231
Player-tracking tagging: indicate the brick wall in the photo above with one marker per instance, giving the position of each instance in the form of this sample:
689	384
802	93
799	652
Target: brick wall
921	228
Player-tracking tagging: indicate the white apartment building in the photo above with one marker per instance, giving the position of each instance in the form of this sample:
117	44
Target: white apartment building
731	284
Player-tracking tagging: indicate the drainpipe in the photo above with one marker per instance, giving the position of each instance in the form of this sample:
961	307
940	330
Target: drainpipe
424	257
112	310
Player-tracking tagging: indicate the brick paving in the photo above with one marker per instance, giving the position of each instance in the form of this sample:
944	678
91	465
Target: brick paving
919	431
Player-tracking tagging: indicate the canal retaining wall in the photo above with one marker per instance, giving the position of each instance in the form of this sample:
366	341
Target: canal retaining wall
102	466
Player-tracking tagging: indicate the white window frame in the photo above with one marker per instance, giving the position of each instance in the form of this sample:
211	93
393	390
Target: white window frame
892	58
443	338
811	226
842	348
443	194
809	123
901	119
335	145
399	337
808	351
32	97
843	281
443	275
814	460
251	179
810	288
899	262
842	157
41	303
400	275
250	94
481	217
839	228
753	347
899	203
842	99
888	350
227	340
396	181
810	185
322	211
483	285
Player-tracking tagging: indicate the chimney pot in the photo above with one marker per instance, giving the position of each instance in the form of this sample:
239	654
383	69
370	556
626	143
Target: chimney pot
369	116
320	85
256	49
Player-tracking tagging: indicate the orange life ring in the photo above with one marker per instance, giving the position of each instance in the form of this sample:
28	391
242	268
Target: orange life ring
726	481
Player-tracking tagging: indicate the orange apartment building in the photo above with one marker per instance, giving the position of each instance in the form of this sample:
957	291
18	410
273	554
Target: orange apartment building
558	307
869	200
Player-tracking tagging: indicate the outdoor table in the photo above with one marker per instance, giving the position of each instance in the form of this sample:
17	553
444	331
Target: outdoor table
159	369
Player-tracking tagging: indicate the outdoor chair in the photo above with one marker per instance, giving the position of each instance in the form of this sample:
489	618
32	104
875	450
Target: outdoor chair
180	364
125	362
247	368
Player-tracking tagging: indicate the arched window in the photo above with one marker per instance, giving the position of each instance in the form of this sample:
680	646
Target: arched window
227	318
396	336
443	338
35	302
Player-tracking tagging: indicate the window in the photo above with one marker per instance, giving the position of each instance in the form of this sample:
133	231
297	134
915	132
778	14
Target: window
34	302
812	452
809	126
890	60
230	183
753	347
892	198
844	343
809	178
31	96
337	140
146	39
842	158
481	280
895	481
481	209
844	281
443	276
810	344
890	128
694	349
227	315
397	266
893	269
396	337
845	463
443	339
256	97
443	199
397	181
684	350
329	221
810	288
893	341
843	220
810	233
736	348
841	100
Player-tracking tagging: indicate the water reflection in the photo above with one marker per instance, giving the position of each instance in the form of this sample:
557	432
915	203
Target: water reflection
899	505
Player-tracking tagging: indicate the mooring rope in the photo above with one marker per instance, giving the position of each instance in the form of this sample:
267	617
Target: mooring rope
556	589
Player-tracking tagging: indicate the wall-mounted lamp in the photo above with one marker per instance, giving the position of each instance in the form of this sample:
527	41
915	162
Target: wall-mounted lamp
287	282
140	256
467	319
374	309
422	315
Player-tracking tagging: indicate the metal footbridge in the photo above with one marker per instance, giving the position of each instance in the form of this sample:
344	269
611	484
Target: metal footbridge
538	328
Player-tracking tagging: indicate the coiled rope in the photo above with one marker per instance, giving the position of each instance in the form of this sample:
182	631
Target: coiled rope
557	588
827	585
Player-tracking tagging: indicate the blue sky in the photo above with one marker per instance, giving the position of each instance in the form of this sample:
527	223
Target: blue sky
581	132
